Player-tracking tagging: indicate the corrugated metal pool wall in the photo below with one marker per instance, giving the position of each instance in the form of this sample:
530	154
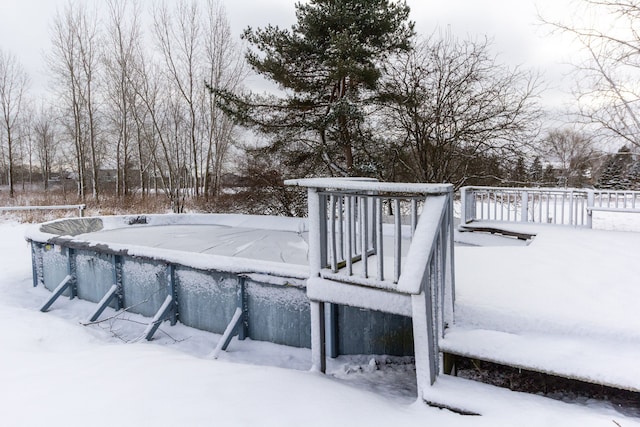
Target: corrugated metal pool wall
276	308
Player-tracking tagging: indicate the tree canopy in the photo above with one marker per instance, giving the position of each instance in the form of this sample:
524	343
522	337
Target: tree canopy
327	66
450	105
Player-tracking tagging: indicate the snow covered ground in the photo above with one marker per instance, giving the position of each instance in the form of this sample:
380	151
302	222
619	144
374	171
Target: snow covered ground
56	371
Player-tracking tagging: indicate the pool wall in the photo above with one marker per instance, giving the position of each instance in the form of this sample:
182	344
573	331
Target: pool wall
207	289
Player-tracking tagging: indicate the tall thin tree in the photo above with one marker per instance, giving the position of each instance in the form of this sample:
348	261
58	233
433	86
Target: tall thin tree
14	81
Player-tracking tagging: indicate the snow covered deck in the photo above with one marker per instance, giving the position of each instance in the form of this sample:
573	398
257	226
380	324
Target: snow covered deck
566	304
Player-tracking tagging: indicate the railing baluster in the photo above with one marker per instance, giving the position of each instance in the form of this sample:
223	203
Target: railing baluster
489	197
379	240
397	253
548	214
341	227
414	215
364	236
332	233
349	239
539	207
495	206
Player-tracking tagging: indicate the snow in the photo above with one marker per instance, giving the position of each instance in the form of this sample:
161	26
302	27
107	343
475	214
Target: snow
367	184
276	245
55	371
567	280
320	289
604	361
423	241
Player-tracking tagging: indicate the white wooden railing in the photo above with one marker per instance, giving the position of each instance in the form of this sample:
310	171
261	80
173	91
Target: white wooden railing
616	201
80	208
385	247
572	207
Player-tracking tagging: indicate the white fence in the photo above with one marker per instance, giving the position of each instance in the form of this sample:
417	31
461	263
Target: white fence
572	207
80	208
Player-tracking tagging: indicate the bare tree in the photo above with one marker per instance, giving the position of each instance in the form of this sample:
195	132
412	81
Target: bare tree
86	33
67	74
178	37
27	146
225	70
572	153
607	86
45	142
13	86
123	39
449	103
159	120
122	102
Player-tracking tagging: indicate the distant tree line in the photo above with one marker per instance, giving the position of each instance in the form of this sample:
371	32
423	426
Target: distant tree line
158	105
127	97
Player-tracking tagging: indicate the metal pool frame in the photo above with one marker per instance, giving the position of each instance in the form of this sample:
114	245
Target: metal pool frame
254	299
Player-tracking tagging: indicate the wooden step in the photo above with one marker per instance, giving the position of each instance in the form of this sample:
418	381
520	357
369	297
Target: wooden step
603	361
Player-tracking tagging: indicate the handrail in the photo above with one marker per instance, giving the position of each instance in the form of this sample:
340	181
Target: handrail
532	205
80	208
571	206
616	200
348	260
424	246
352	227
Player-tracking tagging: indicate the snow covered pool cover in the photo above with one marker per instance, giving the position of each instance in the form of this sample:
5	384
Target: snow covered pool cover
186	239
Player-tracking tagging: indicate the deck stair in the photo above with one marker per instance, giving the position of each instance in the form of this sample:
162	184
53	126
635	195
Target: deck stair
357	229
532	310
611	363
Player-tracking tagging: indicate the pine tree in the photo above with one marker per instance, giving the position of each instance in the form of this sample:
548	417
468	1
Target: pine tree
518	175
549	177
328	66
615	171
634	174
536	172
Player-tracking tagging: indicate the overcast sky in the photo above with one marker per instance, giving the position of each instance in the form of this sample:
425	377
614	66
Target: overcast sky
512	24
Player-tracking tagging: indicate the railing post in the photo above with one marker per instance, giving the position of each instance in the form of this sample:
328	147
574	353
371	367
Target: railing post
450	291
318	332
590	203
571	208
315	240
524	208
463	206
318	228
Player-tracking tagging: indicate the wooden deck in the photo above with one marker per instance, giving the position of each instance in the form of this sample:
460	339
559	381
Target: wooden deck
566	304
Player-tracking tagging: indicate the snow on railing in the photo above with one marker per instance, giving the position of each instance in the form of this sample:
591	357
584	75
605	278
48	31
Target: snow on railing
393	237
366	227
534	205
616	201
573	207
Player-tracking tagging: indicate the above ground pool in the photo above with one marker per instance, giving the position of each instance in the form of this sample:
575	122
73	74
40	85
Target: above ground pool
202	270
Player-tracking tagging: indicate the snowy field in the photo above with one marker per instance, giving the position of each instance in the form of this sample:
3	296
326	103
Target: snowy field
56	371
